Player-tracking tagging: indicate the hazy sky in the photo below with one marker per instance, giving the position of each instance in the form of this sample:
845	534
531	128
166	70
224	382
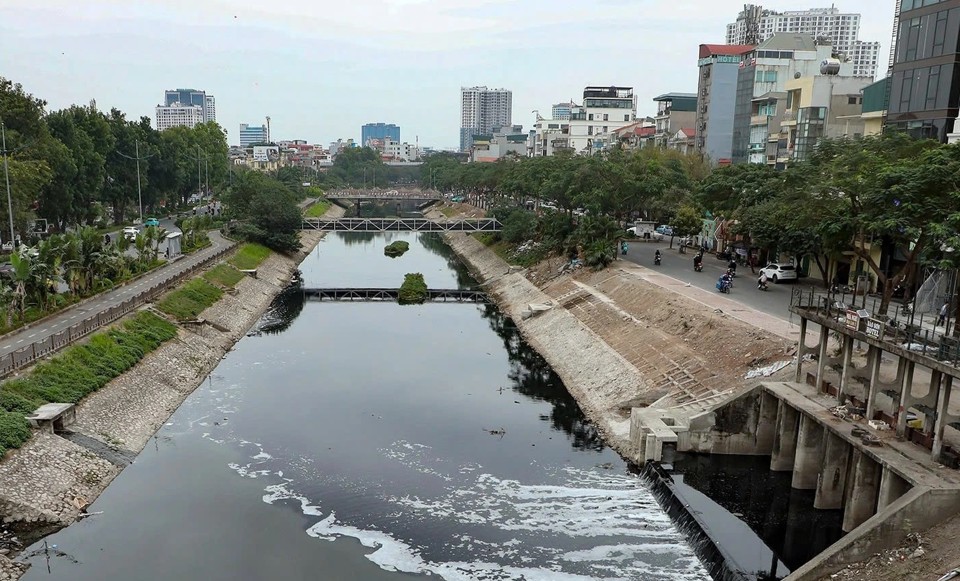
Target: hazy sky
322	68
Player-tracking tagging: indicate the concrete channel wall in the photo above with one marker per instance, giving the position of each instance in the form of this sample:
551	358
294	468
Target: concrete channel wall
886	492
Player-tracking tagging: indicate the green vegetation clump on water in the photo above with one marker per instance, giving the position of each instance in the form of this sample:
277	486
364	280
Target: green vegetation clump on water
78	371
395	249
413	291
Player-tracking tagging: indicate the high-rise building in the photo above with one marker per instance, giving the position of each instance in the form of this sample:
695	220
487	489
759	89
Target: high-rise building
379	132
250	134
177	115
717	99
191	97
482	111
180	107
755	25
561	111
925	84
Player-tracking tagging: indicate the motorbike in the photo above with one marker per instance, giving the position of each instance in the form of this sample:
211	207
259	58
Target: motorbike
656	260
698	267
723	285
762	284
732	272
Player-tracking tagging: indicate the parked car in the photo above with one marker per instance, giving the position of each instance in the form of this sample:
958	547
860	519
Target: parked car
152	222
777	272
131	233
664	230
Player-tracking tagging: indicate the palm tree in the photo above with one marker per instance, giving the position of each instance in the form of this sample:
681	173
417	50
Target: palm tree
22	275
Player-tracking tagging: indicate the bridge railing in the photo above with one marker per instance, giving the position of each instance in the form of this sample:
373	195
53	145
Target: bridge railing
400	225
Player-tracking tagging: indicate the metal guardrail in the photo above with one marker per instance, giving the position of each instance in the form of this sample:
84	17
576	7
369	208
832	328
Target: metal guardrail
399	225
917	331
392	294
28	354
385	195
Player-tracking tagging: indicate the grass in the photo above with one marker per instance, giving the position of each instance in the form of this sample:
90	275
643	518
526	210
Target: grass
508	252
77	372
449	211
319	209
224	275
249	256
190	300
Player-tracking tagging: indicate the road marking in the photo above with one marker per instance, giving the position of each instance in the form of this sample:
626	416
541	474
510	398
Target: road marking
20	341
31	336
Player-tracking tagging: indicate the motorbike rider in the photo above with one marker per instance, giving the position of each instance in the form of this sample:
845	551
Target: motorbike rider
697	261
726	281
732	266
656	257
762	281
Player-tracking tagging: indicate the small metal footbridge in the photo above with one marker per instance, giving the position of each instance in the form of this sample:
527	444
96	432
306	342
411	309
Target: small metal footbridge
400	225
393	294
385	195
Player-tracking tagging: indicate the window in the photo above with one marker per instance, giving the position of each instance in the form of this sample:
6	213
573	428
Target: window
906	87
590	130
912	39
851	100
626	117
606	117
940	33
933	86
590	117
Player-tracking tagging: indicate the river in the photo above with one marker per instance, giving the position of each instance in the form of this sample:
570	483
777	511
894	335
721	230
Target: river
374	441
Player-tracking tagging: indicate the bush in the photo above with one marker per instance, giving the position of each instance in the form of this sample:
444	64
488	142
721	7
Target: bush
190	300
413	291
519	225
14	431
395	249
77	372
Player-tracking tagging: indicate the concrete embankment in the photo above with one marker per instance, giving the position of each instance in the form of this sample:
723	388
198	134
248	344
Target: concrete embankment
46	484
619	341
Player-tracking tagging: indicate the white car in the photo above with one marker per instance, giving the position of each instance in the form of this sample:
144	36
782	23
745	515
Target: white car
131	233
777	272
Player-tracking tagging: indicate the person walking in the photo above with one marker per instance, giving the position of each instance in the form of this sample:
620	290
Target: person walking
942	319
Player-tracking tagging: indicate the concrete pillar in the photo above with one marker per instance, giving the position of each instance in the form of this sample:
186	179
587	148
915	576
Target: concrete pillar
943	401
822	356
863	489
785	441
806	465
767	423
892	487
906	400
846	371
832	479
874	381
801	347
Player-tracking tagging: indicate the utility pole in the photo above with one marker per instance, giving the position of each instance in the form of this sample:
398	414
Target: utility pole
6	174
206	173
136	145
199	185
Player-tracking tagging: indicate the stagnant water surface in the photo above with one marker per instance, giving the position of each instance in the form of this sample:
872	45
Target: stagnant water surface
367	422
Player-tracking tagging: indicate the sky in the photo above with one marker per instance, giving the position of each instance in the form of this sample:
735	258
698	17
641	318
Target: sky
322	68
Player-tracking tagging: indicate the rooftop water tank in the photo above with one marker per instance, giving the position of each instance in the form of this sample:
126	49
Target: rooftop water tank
829	66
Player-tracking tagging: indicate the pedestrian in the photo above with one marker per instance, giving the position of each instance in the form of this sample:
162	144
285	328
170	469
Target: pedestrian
752	261
943	314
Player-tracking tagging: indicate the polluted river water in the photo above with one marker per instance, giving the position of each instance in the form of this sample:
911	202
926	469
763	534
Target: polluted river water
375	441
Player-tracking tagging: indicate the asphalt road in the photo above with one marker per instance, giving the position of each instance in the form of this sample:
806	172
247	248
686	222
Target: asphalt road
40	330
775	301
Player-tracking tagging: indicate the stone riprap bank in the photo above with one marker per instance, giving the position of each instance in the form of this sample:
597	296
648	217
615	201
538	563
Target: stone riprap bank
49	481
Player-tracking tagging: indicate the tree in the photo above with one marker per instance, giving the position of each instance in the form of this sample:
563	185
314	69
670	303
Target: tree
687	222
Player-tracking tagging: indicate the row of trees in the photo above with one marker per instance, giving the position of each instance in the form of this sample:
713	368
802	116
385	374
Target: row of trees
81	260
72	165
848	197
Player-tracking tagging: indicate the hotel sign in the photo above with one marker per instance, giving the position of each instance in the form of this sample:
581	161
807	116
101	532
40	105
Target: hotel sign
874	328
719	59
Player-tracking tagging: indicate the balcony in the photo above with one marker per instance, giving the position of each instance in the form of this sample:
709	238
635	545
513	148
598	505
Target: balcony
760	120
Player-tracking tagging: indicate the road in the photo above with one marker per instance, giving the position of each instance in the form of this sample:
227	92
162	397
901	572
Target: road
775	301
42	329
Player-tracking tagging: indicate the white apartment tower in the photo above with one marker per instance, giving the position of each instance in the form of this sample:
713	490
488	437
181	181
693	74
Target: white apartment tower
177	115
755	25
481	111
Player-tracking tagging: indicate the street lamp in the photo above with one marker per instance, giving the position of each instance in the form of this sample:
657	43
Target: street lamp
6	174
136	145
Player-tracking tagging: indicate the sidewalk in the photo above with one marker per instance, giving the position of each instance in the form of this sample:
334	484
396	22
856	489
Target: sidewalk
29	343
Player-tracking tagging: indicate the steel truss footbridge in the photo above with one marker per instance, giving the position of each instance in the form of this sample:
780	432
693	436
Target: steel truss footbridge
400	225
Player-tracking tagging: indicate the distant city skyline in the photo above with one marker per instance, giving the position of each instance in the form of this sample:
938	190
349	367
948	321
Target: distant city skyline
69	53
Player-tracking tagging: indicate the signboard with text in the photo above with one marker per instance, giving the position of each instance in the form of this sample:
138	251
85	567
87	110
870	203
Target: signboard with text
853	320
874	328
